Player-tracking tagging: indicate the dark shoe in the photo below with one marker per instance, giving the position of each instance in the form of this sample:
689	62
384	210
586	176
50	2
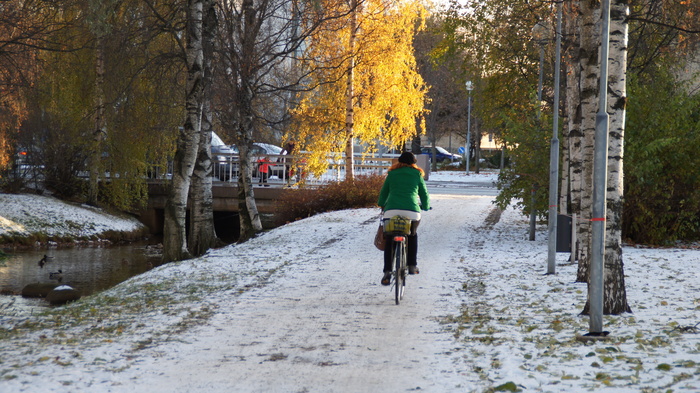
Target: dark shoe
413	269
386	280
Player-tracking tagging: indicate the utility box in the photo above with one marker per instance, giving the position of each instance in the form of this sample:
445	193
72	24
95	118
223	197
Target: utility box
563	233
423	162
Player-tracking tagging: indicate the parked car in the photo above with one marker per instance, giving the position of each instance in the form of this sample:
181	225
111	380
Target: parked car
222	155
441	154
265	150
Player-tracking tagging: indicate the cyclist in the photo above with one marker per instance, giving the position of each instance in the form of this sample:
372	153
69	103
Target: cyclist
403	188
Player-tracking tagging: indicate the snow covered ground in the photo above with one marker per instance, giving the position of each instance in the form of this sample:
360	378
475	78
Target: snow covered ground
30	214
300	309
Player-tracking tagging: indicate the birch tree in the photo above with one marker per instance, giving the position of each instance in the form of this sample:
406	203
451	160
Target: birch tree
202	231
583	21
615	299
362	95
238	73
615	292
260	42
582	179
614	296
571	138
174	229
98	14
350	91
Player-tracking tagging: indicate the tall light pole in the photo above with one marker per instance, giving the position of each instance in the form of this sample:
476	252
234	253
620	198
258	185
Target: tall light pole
467	144
600	182
554	157
540	33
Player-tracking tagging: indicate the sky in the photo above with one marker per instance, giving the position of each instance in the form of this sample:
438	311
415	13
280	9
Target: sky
300	309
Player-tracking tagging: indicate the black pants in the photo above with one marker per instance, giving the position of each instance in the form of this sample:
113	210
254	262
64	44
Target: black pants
411	249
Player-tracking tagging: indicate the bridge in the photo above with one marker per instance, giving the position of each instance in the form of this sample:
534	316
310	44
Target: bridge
225	192
225	195
225	205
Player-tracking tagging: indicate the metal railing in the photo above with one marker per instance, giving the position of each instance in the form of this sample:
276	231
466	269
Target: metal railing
283	170
288	170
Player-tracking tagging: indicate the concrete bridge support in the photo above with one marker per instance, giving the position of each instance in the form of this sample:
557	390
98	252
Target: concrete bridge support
225	206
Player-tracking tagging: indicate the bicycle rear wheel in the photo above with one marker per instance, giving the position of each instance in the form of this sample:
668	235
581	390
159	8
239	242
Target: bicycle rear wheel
399	269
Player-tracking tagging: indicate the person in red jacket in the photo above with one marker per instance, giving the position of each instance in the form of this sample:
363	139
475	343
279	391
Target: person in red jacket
404	194
263	168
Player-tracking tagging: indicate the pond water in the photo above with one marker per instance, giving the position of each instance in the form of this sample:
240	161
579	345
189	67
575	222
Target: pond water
88	269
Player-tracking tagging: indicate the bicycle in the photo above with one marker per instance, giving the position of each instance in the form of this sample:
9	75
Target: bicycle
398	227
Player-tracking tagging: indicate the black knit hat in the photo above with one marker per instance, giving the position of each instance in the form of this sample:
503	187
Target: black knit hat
407	158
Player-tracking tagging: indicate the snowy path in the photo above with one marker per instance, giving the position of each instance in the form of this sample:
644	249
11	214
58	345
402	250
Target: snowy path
326	324
300	309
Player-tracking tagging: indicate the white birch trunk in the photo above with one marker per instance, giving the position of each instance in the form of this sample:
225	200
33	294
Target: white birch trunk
570	196
248	210
202	232
174	230
350	99
590	69
615	296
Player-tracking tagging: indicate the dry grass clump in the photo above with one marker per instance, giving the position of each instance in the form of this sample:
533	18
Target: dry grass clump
295	204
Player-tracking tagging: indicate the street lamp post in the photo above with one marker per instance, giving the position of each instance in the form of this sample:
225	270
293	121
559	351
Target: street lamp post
540	33
600	181
467	144
554	156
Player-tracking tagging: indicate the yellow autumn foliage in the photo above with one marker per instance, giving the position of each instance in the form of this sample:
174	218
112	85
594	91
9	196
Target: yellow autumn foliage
389	93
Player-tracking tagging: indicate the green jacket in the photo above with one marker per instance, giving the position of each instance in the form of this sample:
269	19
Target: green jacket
401	190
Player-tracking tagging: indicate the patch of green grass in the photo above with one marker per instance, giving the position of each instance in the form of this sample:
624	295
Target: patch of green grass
507	387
